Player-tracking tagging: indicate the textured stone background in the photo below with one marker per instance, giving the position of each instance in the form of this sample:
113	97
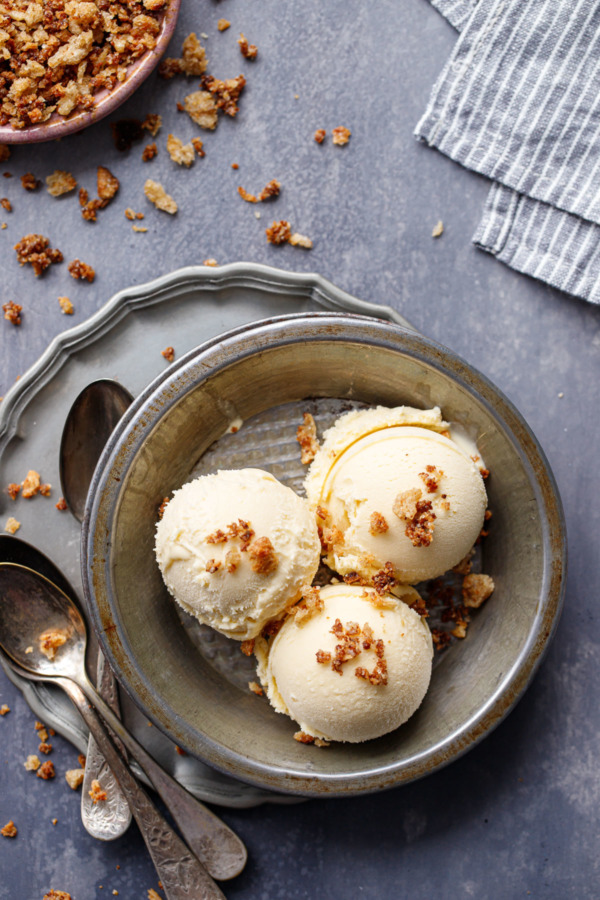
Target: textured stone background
517	816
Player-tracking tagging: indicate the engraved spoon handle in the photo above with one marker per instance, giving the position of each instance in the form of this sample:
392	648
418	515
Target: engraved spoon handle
182	876
109	820
213	842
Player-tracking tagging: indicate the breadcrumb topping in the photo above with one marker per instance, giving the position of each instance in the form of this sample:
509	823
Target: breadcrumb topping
270	190
12	525
66	306
341	135
476	588
263	559
74	778
180	153
248	51
320	135
378	524
80	270
59	183
35	250
156	193
12	312
306	435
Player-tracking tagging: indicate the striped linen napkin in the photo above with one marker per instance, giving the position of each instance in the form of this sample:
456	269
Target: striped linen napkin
519	102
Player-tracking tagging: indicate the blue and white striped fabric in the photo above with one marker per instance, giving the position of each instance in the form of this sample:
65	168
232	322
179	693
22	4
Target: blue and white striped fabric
519	102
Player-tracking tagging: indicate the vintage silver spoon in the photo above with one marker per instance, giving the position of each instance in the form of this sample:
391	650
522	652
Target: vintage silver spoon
88	426
183	877
34	616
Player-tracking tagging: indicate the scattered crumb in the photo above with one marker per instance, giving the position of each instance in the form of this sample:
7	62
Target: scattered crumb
32	763
45	748
560	395
180	752
341	135
74	778
255	688
299	240
60	183
438	229
35	250
192	62
225	93
180	153
152	123
12	525
97	793
6	204
107	183
210	262
152	895
81	759
279	232
169	354
9	830
247	647
46	770
30	182
51	640
223	24
12	312
61	505
81	270
306	435
257	214
31	484
198	146
320	135
139	229
202	109
156	193
270	190
235	165
476	589
162	507
248	51
66	306
4	709
149	152
55	821
57	895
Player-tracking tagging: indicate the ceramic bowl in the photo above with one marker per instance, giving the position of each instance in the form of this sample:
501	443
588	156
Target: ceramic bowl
186	686
105	101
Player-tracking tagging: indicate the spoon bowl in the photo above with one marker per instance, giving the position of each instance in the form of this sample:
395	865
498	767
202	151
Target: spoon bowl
32	610
89	424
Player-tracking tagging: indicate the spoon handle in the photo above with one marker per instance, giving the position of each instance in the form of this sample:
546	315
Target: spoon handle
183	877
213	842
109	820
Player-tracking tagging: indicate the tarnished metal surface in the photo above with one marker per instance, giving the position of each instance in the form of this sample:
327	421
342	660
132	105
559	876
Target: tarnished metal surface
157	445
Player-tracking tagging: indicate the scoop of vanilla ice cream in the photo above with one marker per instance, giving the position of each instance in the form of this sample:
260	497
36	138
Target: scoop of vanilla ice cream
389	488
370	693
236	548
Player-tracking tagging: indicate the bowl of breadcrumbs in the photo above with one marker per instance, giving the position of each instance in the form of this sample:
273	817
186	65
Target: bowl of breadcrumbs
65	64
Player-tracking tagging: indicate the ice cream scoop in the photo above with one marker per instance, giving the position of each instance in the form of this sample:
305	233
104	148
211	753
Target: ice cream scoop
352	667
236	548
394	496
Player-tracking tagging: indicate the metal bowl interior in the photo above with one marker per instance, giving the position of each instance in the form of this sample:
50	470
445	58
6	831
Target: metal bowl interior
105	101
158	444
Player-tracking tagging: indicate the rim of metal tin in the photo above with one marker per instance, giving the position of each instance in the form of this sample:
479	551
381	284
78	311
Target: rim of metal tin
206	361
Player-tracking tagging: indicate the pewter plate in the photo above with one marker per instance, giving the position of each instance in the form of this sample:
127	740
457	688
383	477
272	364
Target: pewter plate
124	340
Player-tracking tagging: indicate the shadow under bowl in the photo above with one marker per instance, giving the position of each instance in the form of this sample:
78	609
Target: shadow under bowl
158	444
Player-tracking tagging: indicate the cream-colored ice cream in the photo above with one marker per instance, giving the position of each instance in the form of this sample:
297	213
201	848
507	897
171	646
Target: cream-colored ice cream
356	667
388	487
236	548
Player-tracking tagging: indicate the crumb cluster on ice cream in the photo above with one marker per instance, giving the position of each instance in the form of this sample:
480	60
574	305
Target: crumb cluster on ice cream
235	549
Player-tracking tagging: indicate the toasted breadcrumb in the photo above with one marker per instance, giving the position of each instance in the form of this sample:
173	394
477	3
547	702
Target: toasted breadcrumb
210	262
9	830
31	484
12	312
35	250
66	306
377	524
202	109
80	270
476	589
320	135
270	190
81	759
149	152
438	229
310	604
248	51
108	184
405	503
156	193
169	354
255	688
198	146
4	709
152	895
225	93
60	183
97	793
74	778
247	647
306	435
300	240
32	763
45	490
12	526
61	505
341	135
57	895
263	559
139	229
13	490
46	770
180	153
152	123
30	182
51	640
6	204
44	747
279	232
223	24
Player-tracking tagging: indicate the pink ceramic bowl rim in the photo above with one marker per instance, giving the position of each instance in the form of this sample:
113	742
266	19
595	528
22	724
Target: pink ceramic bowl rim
105	101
